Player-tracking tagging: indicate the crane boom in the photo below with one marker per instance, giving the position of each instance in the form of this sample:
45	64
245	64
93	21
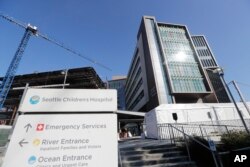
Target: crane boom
10	19
10	74
60	44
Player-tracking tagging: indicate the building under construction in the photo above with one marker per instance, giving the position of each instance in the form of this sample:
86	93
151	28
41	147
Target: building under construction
77	78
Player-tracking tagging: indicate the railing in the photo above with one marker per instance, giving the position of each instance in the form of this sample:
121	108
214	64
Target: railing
235	124
204	131
226	156
180	133
176	133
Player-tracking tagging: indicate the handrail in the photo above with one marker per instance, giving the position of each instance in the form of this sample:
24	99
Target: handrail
228	152
181	130
199	129
197	141
242	149
191	137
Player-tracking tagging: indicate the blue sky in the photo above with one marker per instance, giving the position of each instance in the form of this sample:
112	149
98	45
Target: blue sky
105	30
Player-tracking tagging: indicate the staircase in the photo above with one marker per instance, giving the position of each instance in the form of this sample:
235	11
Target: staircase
152	153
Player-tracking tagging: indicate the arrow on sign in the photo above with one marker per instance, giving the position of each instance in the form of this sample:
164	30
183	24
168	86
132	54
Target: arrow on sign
23	142
27	127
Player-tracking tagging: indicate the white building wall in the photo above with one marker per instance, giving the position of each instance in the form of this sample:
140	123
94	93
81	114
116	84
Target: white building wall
221	114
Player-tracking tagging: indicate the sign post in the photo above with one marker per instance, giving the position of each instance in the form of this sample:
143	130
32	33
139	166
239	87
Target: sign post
65	128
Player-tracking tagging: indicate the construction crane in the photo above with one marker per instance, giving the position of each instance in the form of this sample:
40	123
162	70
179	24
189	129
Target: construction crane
12	69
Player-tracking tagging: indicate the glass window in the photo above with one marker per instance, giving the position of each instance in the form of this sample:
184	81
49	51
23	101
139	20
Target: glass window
181	59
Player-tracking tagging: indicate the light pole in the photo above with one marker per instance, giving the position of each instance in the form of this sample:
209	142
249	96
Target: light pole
238	110
241	96
221	74
65	77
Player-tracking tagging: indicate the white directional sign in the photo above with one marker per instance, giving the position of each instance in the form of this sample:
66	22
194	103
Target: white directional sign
63	140
67	100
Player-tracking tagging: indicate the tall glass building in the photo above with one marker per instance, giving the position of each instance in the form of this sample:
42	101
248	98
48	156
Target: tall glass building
165	68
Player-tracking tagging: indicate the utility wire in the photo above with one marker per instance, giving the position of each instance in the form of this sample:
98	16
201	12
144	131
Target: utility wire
244	84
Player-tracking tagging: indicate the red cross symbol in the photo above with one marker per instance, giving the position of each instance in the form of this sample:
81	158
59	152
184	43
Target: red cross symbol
39	127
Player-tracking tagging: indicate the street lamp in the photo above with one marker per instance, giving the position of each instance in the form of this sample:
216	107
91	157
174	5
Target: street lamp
221	74
65	77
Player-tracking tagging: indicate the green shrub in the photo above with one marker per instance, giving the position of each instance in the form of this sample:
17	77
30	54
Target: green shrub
235	140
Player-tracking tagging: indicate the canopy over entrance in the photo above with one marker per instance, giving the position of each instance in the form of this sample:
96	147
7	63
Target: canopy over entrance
130	120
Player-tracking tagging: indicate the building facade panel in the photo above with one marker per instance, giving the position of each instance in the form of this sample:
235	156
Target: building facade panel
183	67
136	90
155	55
211	66
204	52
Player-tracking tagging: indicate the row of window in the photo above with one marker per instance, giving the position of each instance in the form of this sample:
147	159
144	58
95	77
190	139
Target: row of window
183	63
166	38
131	86
199	41
184	70
130	97
170	29
131	75
176	33
208	63
170	51
178	46
181	58
173	32
188	85
135	67
203	52
137	100
133	61
177	43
